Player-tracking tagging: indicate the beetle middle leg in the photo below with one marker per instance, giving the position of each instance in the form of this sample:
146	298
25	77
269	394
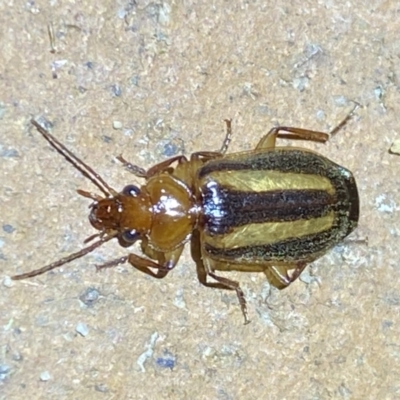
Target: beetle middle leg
222	283
203	270
210	155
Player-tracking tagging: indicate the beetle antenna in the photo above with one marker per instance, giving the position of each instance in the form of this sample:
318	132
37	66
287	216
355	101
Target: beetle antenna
89	195
67	259
86	171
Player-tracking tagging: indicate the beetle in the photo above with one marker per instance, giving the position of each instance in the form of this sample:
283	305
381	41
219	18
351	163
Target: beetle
272	210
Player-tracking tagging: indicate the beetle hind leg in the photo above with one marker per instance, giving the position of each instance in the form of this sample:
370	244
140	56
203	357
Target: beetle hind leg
282	276
287	132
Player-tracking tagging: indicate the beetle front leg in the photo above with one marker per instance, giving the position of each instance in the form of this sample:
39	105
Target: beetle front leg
161	268
140	263
167	260
165	263
155	169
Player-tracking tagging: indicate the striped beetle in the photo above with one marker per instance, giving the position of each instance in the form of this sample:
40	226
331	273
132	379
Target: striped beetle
272	210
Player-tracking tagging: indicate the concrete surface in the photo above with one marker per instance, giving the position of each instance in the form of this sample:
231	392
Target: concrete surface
151	80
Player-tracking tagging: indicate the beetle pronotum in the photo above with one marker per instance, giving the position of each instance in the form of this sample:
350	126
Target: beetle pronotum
272	210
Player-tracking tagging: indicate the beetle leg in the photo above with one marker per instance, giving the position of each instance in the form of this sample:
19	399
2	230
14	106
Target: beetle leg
166	262
228	136
203	270
286	132
165	165
204	156
229	284
209	155
282	276
344	121
155	169
145	265
140	263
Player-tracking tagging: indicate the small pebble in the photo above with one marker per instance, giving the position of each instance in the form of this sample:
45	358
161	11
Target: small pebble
82	329
170	149
116	90
4	371
89	296
168	360
45	376
7	282
395	147
2	110
101	387
8	228
117	124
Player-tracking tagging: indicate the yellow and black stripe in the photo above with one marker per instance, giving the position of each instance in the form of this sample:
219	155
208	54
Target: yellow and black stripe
286	204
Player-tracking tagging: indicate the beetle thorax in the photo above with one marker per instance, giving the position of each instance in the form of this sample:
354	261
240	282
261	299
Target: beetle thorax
175	212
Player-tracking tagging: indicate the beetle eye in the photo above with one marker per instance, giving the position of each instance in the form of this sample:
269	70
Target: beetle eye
131	190
130	236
